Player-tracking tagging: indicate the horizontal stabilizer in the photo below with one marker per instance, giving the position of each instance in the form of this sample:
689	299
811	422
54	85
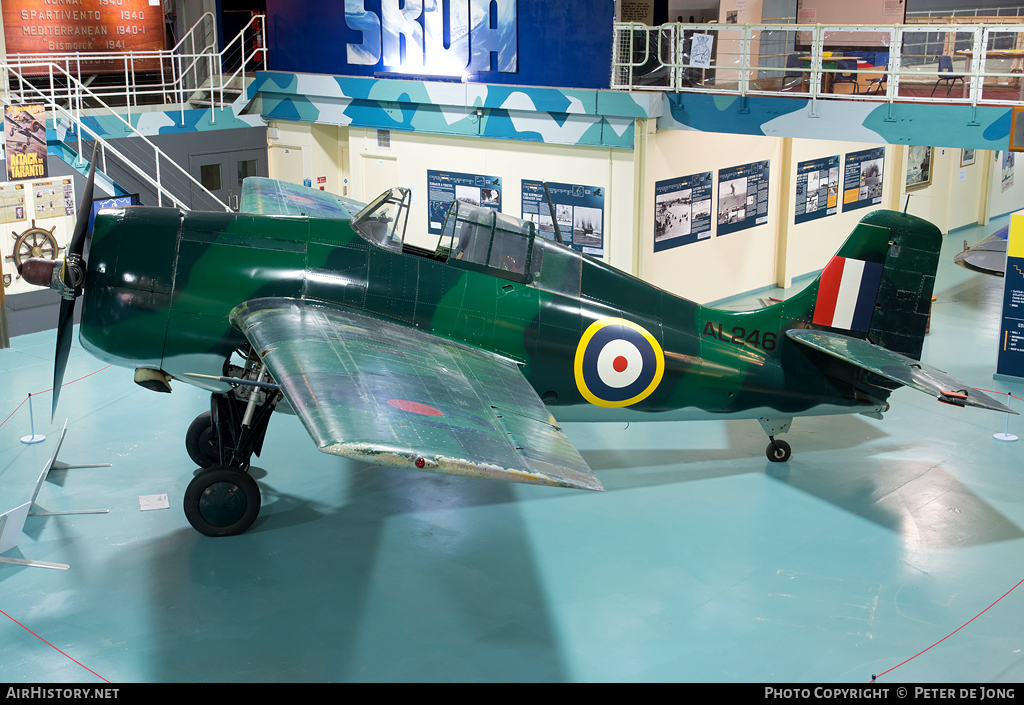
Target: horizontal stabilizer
898	368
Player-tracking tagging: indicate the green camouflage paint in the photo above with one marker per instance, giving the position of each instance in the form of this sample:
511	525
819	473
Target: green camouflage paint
161	284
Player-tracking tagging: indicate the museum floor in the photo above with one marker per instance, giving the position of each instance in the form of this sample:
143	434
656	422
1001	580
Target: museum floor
702	561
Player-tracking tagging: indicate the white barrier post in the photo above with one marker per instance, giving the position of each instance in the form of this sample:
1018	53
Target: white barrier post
1006	436
33	438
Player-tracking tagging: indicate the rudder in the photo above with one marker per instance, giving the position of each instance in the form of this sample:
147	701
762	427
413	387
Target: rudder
879	285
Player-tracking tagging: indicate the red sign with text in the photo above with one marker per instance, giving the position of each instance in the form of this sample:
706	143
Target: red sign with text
85	26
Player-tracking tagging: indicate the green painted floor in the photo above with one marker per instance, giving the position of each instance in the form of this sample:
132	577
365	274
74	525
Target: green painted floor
702	561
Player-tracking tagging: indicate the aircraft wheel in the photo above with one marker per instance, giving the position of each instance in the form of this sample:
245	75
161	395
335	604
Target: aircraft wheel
222	501
778	451
201	441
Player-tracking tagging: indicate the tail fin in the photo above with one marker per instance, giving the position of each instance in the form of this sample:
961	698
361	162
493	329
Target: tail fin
879	285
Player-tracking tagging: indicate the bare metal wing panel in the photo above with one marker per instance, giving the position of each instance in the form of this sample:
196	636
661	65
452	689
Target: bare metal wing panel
261	196
386	393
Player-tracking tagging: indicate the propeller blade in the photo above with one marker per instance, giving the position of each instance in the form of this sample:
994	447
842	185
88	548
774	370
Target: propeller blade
82	224
65	322
66	319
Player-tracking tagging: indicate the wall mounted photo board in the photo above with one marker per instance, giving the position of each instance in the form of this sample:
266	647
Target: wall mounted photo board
919	168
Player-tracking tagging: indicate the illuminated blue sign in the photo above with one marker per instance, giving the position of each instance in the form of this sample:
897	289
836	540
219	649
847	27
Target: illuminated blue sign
477	29
567	44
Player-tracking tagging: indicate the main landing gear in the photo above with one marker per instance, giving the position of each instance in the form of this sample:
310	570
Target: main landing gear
778	451
223	499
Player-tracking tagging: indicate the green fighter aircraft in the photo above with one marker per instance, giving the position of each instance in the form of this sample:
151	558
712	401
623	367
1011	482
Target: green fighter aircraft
459	359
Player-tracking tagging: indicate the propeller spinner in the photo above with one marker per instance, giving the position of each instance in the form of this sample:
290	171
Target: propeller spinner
66	277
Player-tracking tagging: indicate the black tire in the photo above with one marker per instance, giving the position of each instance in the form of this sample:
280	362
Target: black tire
201	441
778	451
222	501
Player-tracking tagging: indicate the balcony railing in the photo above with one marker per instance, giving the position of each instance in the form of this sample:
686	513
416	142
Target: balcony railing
193	70
190	73
972	64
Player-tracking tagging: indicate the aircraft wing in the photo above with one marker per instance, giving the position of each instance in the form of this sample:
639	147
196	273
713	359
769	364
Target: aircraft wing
389	394
898	368
262	196
987	256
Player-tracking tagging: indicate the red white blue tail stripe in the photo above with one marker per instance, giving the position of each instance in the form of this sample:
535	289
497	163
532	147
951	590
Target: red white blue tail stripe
846	294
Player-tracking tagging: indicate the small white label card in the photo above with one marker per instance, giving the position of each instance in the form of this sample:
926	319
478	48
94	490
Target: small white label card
153	501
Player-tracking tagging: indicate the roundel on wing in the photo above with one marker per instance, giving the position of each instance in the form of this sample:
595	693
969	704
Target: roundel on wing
618	363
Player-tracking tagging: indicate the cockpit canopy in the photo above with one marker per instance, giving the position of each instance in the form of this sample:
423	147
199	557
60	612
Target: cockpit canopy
383	220
487	238
479	239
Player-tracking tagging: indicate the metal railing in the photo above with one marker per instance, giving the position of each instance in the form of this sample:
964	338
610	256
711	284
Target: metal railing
137	155
888	63
192	68
972	12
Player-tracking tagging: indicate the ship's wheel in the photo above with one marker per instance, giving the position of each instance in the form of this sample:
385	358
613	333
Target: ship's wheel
34	242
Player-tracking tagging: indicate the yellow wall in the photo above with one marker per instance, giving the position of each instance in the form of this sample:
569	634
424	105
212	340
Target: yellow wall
1012	199
369	168
320	149
966	197
720	266
948	202
810	245
765	254
709	270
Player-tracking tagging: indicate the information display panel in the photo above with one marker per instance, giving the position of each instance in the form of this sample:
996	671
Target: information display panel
579	210
443	187
682	211
1010	360
862	179
817	189
742	197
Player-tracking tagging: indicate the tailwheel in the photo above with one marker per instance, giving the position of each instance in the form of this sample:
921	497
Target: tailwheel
778	451
201	441
222	501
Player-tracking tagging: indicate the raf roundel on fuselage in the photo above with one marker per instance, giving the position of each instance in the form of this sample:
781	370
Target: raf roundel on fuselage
618	363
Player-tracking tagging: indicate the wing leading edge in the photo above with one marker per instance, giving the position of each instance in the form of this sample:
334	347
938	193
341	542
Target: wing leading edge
898	368
262	196
384	393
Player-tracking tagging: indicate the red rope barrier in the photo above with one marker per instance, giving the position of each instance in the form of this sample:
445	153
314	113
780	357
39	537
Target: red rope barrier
15	411
49	390
1	611
48	643
874	677
992	391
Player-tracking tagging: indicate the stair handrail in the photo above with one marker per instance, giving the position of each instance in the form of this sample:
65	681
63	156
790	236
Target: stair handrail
83	92
192	29
240	37
186	64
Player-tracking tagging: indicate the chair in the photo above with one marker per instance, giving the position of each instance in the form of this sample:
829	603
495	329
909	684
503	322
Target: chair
840	77
793	61
946	66
881	59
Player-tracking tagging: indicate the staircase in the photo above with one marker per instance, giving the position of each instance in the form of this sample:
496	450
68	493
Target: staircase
190	76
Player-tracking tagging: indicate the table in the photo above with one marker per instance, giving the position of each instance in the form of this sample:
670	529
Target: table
831	63
1016	65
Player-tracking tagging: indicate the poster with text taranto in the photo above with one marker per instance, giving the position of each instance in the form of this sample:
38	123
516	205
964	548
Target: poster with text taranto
579	211
85	27
742	197
682	211
443	187
25	141
817	189
862	179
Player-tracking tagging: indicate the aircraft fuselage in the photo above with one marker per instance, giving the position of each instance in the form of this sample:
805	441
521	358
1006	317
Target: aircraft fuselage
160	286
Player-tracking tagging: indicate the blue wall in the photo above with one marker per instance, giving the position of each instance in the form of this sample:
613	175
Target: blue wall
561	43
